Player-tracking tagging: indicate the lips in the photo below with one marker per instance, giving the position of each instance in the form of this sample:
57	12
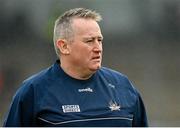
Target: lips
96	57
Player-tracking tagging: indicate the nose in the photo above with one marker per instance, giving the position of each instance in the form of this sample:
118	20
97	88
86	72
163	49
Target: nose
97	46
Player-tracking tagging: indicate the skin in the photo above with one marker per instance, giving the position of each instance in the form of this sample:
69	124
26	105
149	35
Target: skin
82	57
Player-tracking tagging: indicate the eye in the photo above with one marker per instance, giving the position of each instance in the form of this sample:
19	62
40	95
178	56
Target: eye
89	41
100	40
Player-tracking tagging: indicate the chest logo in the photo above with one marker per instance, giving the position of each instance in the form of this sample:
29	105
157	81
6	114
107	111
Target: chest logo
114	106
85	90
70	108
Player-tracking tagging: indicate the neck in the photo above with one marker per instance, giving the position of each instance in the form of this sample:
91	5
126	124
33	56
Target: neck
75	72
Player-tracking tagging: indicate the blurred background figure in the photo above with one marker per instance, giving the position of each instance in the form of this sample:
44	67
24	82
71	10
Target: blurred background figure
143	35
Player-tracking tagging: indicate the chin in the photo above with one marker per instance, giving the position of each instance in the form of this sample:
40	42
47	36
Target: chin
95	68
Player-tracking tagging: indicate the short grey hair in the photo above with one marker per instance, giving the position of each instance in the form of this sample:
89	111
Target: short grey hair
63	28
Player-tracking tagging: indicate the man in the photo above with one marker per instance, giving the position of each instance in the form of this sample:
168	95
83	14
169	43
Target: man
76	90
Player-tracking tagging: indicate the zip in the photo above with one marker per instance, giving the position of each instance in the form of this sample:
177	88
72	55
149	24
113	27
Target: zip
81	120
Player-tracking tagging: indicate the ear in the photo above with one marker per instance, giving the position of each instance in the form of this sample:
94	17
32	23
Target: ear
63	46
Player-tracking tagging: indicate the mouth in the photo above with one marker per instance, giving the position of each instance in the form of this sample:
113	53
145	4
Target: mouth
96	58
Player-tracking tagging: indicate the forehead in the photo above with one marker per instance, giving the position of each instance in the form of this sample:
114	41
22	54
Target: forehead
86	27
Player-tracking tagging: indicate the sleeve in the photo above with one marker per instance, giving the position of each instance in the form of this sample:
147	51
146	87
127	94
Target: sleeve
140	117
21	109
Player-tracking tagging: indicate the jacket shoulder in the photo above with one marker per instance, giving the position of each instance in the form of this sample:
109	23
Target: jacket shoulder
117	78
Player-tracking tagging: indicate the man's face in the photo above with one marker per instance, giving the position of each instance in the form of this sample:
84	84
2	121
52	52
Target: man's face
86	48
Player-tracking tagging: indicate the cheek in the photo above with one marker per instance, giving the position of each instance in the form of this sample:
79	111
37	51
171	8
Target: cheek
81	53
85	54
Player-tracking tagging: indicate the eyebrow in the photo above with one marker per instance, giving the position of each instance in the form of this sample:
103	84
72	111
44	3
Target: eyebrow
90	37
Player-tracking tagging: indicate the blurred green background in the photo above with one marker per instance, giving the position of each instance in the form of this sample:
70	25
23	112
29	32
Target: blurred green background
141	40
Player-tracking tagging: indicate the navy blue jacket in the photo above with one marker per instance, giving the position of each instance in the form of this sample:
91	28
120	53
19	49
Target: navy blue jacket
52	98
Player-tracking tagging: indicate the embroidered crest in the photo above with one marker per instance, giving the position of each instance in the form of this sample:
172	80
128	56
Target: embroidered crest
114	106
